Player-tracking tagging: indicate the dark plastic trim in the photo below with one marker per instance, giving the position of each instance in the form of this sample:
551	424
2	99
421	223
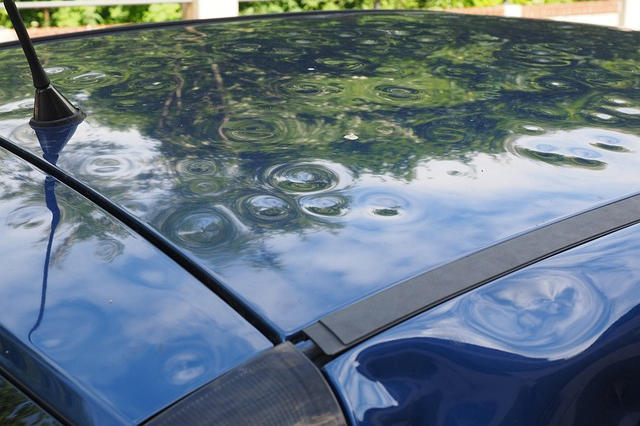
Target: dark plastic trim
349	326
281	386
151	235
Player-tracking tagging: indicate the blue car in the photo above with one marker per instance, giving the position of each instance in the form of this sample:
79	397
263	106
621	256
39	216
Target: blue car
370	218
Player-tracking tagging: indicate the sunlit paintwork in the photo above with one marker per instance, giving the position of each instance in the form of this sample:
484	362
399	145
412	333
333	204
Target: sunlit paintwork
309	162
557	343
95	321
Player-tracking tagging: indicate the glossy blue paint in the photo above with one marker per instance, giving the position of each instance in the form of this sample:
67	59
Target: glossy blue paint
555	343
310	161
110	331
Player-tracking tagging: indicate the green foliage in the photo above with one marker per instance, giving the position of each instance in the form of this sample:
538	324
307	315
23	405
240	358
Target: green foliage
414	89
302	5
16	409
75	16
162	12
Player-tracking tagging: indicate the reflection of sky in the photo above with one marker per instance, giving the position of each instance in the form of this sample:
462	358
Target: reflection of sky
389	228
306	168
130	329
439	216
535	326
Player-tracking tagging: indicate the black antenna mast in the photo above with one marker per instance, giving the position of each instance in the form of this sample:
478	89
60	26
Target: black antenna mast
50	108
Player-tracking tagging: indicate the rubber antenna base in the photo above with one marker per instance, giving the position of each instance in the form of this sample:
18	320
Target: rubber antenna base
51	109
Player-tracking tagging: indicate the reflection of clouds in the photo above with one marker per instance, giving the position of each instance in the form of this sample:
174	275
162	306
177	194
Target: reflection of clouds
23	104
538	311
459	145
28	217
107	250
587	148
113	305
185	366
525	334
338	227
487	198
67	327
553	310
123	164
370	394
21	133
509	171
432	112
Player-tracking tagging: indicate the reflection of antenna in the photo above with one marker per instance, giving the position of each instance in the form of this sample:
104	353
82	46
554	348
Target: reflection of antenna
52	140
50	107
52	205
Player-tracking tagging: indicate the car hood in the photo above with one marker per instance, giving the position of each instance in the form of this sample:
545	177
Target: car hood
309	161
98	324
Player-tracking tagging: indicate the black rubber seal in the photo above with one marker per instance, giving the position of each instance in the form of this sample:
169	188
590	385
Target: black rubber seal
345	328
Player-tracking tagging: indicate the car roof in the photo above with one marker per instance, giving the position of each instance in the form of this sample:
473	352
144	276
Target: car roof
307	162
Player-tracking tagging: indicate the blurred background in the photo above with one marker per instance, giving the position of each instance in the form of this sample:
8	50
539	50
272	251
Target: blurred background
55	16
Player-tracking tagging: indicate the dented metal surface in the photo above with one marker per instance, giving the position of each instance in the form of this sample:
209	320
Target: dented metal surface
555	343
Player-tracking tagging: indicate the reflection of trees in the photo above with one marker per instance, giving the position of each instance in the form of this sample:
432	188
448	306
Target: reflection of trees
23	186
16	409
251	94
436	85
186	127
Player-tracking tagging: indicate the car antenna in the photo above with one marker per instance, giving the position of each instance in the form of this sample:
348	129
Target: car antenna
51	108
